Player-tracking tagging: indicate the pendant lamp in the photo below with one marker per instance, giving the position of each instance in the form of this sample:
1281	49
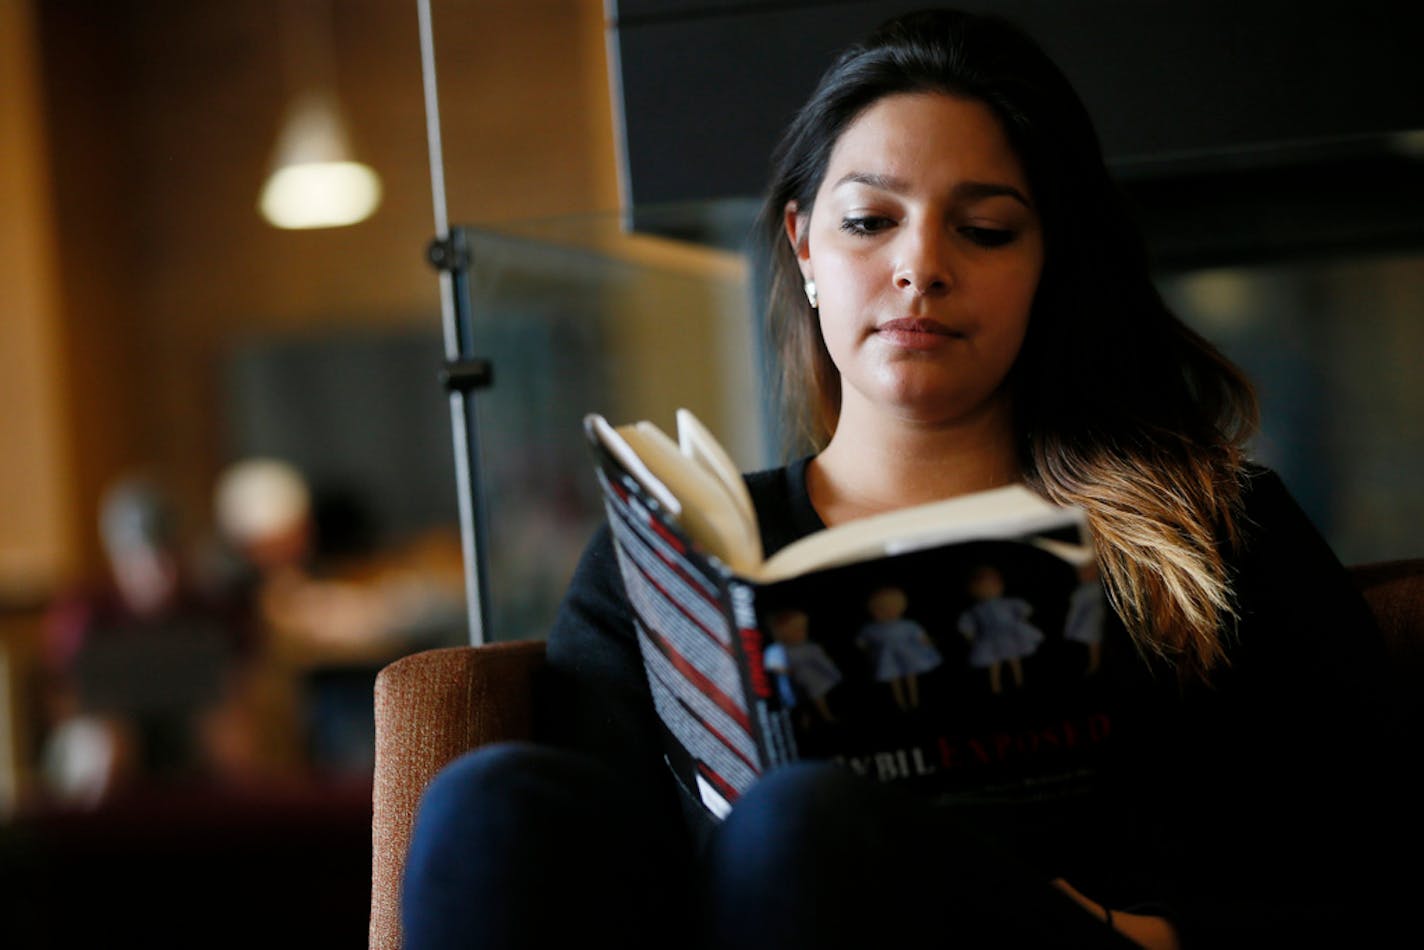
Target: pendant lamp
315	180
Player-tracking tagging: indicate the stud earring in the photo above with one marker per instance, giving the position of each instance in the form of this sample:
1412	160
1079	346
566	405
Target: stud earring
811	293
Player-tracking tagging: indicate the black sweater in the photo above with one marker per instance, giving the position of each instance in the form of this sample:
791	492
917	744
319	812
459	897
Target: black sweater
1252	814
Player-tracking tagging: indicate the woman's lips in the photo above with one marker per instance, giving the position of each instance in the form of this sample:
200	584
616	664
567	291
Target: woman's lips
916	333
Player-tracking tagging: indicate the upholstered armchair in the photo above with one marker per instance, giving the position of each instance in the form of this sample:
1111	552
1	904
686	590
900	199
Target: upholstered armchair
435	705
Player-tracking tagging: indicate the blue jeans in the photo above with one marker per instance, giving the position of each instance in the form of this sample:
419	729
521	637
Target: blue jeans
526	846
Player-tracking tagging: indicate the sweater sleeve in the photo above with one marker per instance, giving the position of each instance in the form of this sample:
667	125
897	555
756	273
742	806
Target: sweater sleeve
593	697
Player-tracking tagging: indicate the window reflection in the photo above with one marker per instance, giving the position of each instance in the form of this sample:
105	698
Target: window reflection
1335	348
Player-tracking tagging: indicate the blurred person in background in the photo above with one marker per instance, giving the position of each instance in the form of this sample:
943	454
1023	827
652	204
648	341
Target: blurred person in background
328	605
133	662
312	594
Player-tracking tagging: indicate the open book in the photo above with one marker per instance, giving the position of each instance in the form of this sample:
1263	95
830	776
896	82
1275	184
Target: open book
962	646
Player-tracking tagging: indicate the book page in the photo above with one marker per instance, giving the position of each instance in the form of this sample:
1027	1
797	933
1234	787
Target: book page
1008	512
709	514
627	456
698	444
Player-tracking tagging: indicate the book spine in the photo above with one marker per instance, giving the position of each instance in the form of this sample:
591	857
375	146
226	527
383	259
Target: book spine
683	611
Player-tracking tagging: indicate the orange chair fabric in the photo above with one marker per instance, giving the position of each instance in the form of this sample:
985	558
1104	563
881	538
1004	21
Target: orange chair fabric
430	708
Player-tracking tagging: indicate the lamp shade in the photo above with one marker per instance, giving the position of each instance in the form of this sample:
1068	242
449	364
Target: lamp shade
315	182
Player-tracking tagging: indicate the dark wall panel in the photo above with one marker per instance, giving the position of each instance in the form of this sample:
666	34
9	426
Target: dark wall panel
707	86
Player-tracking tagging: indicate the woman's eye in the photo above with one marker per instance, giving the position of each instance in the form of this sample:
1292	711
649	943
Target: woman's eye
988	237
865	224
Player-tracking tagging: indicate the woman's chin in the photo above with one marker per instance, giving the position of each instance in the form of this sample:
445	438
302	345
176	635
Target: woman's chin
933	403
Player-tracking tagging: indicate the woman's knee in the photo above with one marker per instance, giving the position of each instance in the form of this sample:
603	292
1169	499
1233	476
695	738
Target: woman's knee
795	861
504	815
515	784
466	784
795	805
802	827
487	770
503	830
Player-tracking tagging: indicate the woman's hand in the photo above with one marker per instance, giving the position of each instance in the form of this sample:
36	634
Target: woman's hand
1145	930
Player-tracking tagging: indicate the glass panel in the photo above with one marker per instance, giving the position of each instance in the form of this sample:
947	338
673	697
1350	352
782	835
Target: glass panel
579	316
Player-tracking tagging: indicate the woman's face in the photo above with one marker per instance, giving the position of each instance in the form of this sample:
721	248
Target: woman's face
926	251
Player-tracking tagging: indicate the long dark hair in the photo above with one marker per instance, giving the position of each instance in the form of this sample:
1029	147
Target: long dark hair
1119	407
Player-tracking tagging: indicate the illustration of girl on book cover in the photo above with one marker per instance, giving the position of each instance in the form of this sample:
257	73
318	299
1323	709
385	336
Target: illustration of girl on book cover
997	628
1087	609
899	648
802	668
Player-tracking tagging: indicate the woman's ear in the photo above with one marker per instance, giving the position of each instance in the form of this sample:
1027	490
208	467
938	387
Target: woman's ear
797	225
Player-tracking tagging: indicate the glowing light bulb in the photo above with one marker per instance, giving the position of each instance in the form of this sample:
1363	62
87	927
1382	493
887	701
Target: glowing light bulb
320	195
315	183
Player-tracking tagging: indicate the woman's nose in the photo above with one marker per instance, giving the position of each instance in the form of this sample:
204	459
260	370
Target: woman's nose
924	266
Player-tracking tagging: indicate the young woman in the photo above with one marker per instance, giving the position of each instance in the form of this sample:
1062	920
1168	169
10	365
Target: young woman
960	303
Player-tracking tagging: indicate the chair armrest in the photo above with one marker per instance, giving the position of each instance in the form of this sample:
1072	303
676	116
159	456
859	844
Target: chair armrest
1395	592
431	707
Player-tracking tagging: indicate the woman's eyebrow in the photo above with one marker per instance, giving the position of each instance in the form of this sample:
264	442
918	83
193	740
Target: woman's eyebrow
875	180
979	190
964	191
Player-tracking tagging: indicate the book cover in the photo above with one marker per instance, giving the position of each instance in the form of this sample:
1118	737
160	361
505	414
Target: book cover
963	648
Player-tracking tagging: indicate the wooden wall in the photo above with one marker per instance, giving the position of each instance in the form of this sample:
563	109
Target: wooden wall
36	541
135	172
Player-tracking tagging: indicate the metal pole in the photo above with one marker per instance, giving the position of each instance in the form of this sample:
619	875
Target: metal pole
462	373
